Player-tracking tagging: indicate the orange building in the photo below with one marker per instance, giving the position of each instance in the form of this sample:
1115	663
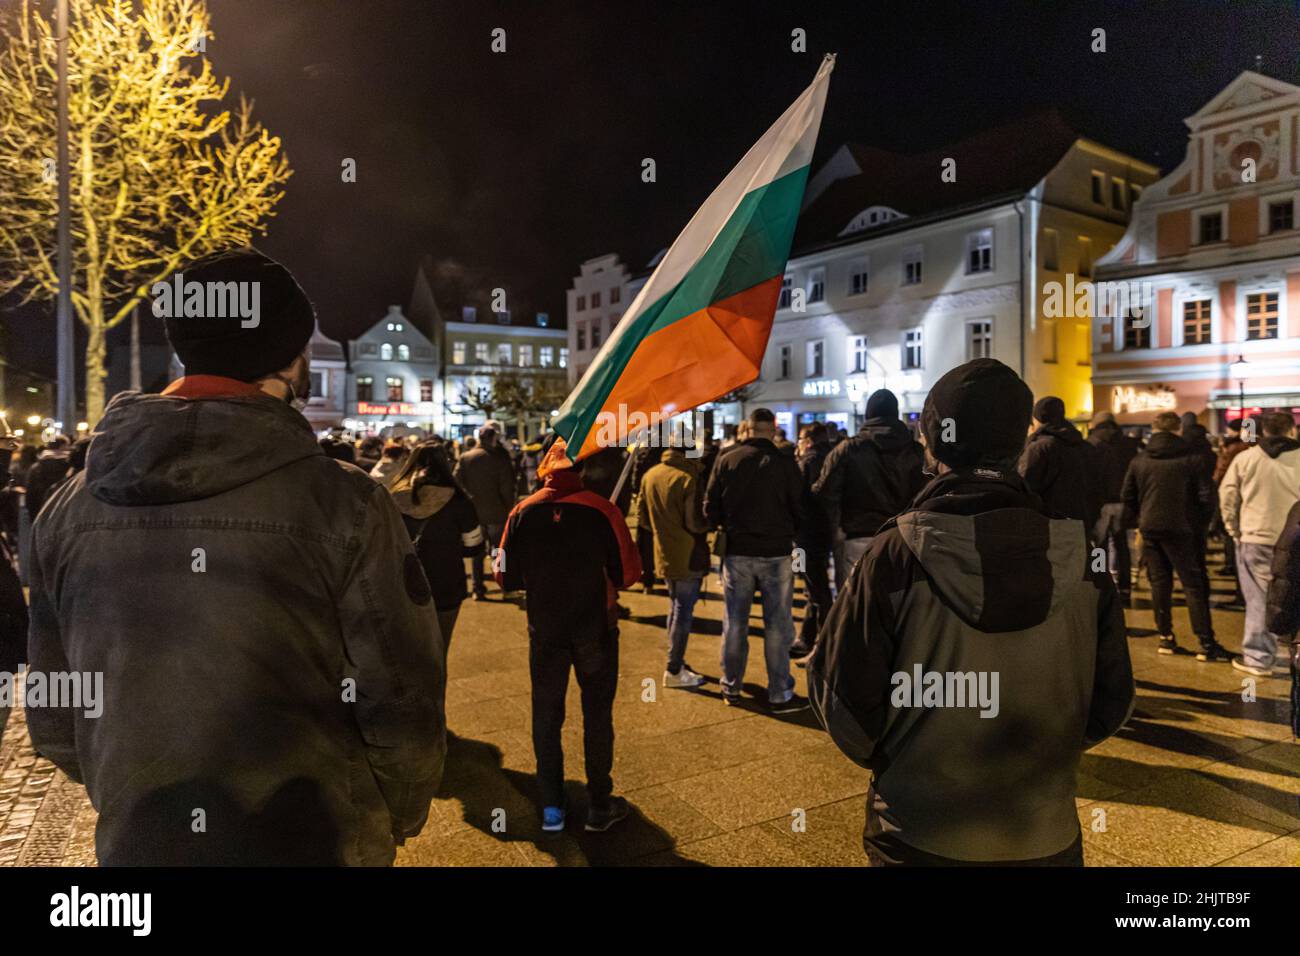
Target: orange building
1214	252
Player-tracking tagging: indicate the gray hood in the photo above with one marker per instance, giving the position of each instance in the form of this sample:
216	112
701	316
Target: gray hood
1003	570
159	450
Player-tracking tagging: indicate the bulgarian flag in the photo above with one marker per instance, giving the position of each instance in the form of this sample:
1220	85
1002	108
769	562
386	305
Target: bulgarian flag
699	326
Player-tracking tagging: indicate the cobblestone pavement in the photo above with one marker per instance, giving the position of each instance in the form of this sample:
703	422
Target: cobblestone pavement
1198	777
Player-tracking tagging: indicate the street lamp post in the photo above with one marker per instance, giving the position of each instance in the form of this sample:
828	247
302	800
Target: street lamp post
67	401
1239	371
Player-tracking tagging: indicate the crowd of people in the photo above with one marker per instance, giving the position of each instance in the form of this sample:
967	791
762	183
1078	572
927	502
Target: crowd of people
272	613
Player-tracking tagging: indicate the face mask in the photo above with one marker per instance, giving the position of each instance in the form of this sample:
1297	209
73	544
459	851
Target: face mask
296	402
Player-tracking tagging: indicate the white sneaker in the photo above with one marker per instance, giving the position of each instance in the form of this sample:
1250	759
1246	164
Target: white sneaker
683	678
1240	664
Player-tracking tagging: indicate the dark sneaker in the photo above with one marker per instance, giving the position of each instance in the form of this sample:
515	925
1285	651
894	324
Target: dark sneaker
799	649
1126	600
598	821
1213	653
791	706
1167	645
480	595
731	700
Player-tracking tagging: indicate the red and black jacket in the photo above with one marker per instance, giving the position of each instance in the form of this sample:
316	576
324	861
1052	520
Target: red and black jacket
570	549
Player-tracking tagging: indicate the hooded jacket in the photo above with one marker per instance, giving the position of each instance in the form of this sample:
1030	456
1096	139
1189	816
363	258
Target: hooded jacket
816	534
1115	451
1198	443
1065	471
268	646
1166	490
1259	488
570	549
669	505
974	583
756	497
445	529
871	477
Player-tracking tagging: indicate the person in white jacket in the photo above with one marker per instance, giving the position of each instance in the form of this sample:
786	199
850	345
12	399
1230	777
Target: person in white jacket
1257	493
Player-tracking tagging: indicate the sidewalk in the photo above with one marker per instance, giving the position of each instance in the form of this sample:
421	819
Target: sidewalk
1198	776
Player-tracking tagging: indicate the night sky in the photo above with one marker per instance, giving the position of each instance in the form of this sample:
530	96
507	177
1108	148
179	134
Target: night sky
510	169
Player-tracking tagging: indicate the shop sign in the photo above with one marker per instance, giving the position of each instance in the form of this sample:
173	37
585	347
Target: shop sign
821	387
396	408
1126	398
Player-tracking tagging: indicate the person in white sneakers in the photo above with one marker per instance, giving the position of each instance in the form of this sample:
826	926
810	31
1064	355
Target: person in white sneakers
1257	493
670	504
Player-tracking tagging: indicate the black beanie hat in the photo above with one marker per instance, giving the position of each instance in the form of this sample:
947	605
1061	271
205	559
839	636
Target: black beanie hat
239	345
989	406
1049	410
882	404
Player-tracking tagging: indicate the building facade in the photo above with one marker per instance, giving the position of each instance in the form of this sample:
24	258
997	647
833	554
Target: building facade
595	304
327	407
1215	251
393	379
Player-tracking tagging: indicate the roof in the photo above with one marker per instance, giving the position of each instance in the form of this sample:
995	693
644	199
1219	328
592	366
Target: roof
1007	159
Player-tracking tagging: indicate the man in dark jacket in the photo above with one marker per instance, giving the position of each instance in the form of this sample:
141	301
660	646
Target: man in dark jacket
1060	467
272	671
871	477
488	477
1283	610
974	655
1169	496
1114	452
815	538
571	551
756	497
50	468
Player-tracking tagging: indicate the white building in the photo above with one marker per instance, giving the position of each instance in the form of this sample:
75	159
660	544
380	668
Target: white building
329	384
394	378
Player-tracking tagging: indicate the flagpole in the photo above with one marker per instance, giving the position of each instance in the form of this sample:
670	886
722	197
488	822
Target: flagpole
627	467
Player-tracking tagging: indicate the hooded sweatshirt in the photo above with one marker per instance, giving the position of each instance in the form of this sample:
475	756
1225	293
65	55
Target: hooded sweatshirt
231	583
1065	471
1259	489
1167	489
975	588
445	528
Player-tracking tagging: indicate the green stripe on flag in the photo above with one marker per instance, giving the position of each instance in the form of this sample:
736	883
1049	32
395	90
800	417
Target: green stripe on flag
751	248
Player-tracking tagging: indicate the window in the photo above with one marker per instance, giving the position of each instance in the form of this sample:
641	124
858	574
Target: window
1083	332
858	278
426	389
581	303
1098	188
394	388
857	354
816	285
595	300
481	353
365	388
503	317
595	334
979	251
1261	316
469	314
912	267
1117	194
457	353
615	295
783	362
582	336
979	339
543	319
1051	250
404	353
787	284
1209	228
816	359
1051	340
503	353
912	355
386	352
1196	322
1137	333
1134	194
1281	216
1085	257
564	358
525	356
319	382
547	354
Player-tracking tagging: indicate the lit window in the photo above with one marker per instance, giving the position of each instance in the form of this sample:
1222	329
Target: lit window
503	353
564	358
1196	322
394	388
365	388
857	354
1261	316
458	353
912	354
426	389
481	353
525	355
386	352
404	353
547	353
468	313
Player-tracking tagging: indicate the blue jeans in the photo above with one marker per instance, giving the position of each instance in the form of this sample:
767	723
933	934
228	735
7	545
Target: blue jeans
774	578
682	595
1254	572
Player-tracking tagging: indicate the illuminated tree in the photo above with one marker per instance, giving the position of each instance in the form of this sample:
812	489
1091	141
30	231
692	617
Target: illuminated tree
161	173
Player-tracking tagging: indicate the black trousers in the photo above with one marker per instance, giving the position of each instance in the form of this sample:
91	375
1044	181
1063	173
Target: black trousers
595	662
645	546
1168	553
817	594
